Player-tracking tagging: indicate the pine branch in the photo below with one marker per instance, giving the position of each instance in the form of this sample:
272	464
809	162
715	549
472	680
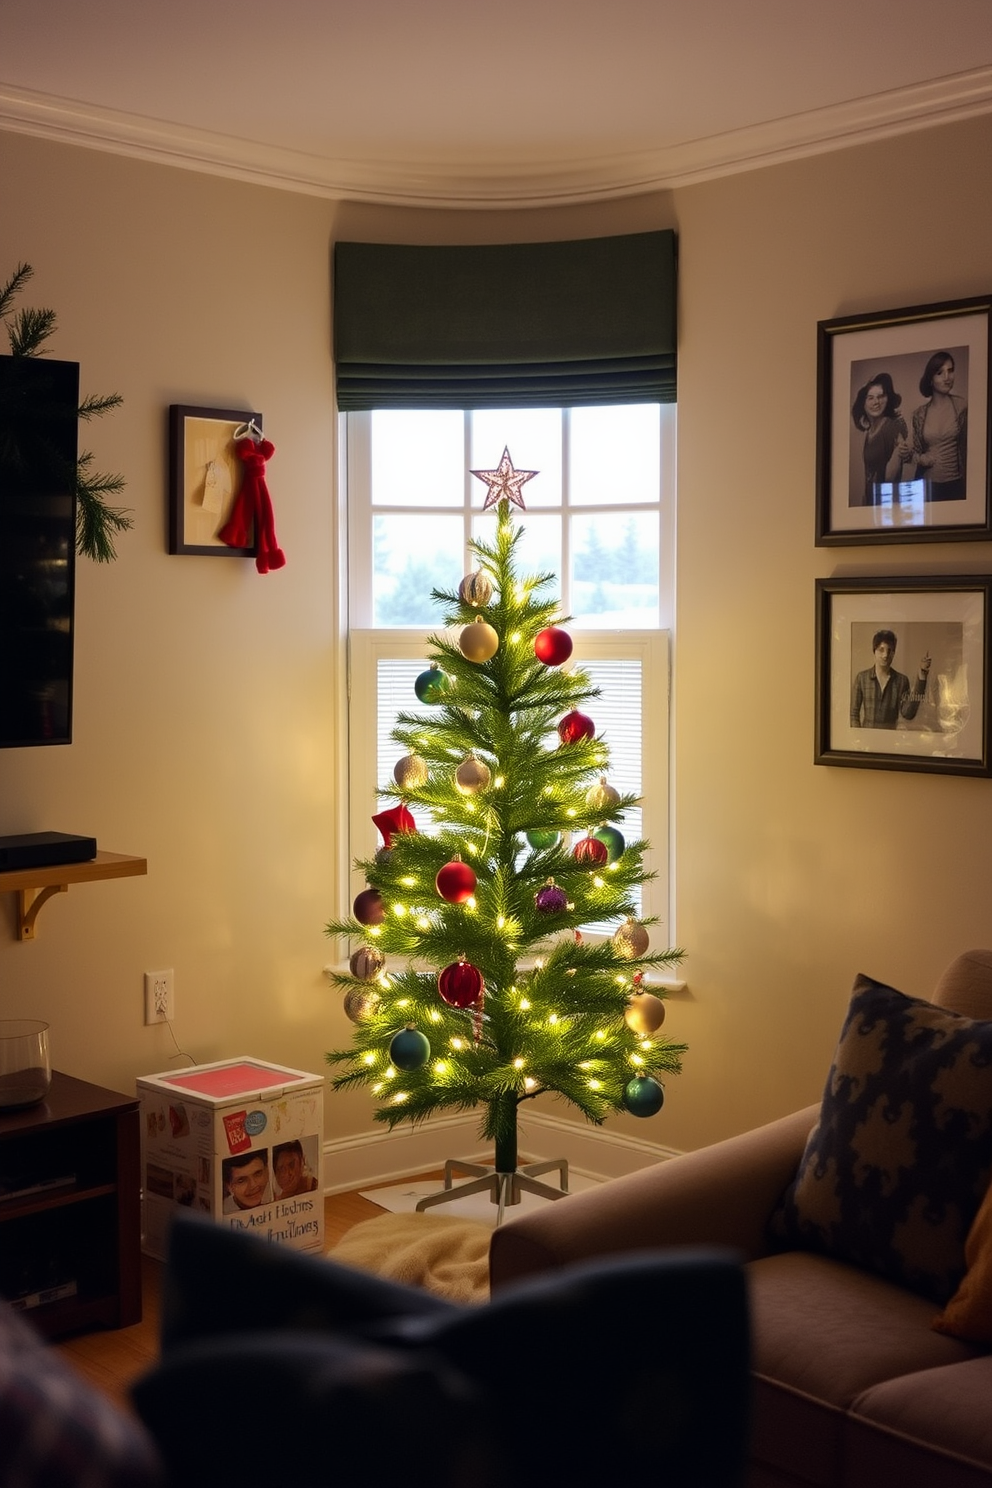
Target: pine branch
28	329
93	406
13	287
96	520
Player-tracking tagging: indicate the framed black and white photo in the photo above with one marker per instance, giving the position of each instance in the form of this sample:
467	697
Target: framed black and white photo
205	476
903	425
902	673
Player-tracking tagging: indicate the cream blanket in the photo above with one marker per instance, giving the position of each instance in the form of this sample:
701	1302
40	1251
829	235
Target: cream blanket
449	1257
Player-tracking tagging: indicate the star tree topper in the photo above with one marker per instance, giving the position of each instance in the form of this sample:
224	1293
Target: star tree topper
504	482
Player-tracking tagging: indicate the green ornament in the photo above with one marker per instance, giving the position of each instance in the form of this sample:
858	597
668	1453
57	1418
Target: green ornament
612	840
432	685
409	1050
643	1096
541	840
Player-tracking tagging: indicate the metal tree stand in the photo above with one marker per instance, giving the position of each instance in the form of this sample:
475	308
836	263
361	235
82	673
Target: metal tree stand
505	1180
503	1188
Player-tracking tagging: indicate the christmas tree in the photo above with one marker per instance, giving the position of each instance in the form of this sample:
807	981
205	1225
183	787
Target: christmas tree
491	995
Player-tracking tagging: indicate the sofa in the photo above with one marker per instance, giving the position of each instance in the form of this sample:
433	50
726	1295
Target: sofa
866	1225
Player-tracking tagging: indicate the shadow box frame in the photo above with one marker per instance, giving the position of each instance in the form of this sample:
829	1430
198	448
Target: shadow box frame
947	617
851	352
197	437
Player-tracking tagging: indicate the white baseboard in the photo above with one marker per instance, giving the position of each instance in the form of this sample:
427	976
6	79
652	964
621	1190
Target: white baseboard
375	1158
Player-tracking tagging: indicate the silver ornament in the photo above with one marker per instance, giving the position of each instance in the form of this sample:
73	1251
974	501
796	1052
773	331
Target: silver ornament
366	963
410	772
475	589
601	796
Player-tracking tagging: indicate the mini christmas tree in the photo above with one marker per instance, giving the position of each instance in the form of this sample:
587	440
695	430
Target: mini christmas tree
492	996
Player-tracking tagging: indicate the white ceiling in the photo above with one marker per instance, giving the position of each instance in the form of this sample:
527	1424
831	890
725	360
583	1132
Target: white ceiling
480	102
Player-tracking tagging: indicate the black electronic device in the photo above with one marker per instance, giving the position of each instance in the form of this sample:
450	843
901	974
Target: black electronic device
43	849
39	399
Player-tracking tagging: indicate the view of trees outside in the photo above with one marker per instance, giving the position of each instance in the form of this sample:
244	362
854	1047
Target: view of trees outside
611	464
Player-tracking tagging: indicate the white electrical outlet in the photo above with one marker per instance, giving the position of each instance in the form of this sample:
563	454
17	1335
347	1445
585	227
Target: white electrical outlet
160	997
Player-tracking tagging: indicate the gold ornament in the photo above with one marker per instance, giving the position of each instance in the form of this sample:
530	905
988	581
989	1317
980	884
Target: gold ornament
645	1013
478	641
472	775
504	482
360	1003
631	940
601	797
410	772
475	589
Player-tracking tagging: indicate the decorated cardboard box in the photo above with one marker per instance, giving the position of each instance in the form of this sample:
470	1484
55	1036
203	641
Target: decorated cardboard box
240	1140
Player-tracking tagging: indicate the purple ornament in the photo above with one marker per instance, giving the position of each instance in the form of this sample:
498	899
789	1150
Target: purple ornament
550	899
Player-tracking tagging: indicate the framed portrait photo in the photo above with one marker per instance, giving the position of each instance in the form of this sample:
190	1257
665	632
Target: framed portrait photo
902	673
205	476
902	437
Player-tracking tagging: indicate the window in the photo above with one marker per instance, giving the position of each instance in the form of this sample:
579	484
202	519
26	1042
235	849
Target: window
599	516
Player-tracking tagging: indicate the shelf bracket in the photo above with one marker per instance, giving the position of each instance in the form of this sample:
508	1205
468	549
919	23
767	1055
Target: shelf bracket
30	904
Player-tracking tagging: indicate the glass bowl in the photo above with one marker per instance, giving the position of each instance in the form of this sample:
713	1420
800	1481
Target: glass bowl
25	1064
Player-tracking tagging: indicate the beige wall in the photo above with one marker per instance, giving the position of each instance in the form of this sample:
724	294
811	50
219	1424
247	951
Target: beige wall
206	695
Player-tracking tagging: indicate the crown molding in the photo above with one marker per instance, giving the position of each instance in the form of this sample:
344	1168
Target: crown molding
486	184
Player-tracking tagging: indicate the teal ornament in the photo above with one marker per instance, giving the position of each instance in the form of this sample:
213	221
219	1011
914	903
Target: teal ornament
432	685
543	840
409	1049
612	840
643	1096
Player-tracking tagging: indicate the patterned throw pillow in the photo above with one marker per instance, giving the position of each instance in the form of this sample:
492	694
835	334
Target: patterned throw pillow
897	1165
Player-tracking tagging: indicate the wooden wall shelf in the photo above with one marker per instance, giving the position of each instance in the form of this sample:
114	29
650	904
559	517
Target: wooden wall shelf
35	886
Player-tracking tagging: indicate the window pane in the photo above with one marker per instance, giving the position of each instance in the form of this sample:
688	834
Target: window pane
539	549
394	695
617	716
412	556
615	454
418	458
615	566
533	437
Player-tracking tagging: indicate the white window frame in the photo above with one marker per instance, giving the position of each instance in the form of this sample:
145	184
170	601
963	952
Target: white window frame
366	645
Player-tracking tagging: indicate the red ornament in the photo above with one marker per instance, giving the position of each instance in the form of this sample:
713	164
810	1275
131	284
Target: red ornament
461	984
397	819
455	882
574	727
368	908
590	852
553	646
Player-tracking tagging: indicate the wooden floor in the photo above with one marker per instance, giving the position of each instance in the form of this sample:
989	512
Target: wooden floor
112	1358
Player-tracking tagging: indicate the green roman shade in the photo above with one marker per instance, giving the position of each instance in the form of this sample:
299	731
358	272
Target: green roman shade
509	325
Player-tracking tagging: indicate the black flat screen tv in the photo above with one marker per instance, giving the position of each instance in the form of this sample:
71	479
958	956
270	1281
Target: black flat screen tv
39	403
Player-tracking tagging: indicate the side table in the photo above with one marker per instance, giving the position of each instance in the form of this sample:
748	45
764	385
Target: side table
70	1208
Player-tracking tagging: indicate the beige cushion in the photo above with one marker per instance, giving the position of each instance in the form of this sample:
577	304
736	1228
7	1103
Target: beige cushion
898	1163
969	1312
966	986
